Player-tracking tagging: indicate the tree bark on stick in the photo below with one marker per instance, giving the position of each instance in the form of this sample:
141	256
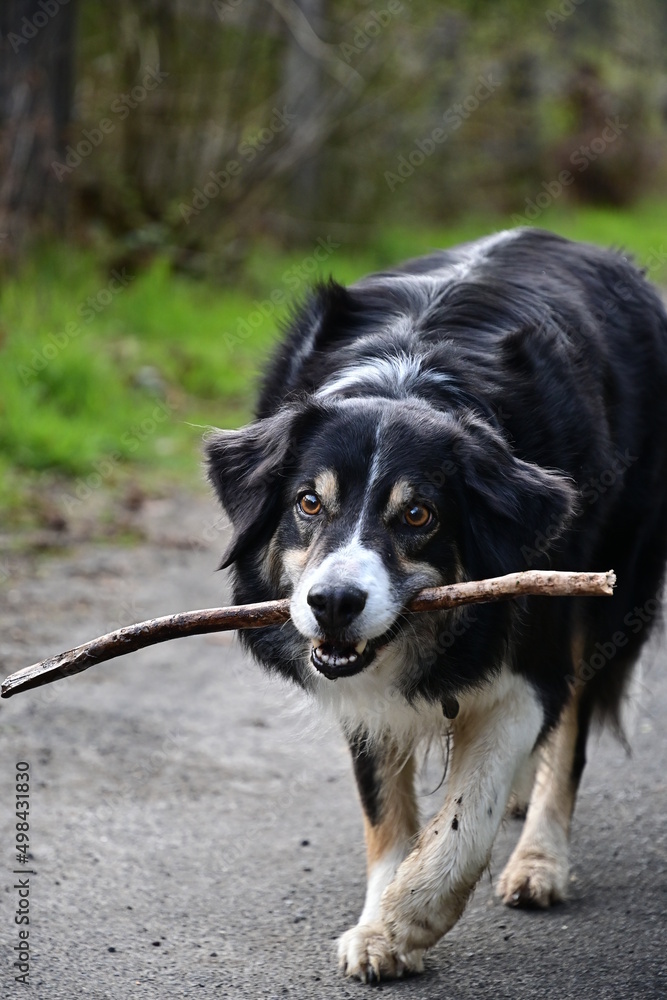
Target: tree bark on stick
544	583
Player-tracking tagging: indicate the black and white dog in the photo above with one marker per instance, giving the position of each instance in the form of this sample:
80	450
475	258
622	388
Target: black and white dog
486	409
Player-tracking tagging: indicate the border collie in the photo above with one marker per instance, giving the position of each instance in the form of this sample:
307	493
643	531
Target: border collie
481	410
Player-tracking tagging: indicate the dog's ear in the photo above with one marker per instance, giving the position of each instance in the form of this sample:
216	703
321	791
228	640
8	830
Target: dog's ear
514	511
245	467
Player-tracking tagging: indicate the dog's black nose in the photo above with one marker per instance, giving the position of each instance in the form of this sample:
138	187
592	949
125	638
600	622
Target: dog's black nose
336	607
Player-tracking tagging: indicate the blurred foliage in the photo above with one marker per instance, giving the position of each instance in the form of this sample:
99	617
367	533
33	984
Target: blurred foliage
108	372
364	86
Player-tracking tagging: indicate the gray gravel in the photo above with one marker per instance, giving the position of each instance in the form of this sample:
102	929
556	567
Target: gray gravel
194	833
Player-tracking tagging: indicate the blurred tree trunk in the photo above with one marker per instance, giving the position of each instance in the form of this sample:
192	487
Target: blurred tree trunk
304	96
37	45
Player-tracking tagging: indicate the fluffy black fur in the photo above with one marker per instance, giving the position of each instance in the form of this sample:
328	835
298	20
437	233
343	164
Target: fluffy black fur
538	422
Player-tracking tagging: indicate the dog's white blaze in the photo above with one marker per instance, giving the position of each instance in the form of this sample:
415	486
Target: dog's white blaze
353	565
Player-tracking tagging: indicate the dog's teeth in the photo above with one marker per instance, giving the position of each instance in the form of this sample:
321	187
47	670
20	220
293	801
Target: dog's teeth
324	653
361	645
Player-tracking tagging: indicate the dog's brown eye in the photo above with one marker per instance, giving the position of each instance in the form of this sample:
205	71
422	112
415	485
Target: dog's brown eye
310	503
418	516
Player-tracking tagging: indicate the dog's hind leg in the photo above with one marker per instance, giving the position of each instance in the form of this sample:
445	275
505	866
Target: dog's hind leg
517	807
385	780
537	872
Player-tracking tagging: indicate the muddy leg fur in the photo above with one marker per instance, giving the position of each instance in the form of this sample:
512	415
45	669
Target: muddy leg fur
492	738
385	780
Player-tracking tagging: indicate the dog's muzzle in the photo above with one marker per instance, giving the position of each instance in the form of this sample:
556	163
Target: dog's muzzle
335	609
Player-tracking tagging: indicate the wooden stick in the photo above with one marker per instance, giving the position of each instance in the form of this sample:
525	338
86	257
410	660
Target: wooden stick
545	583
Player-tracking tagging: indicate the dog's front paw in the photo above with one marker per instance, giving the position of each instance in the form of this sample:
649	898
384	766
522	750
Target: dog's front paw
533	880
366	952
415	915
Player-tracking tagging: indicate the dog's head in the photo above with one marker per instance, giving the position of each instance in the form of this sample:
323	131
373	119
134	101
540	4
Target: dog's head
351	507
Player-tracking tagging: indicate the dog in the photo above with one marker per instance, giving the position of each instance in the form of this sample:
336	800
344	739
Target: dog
481	410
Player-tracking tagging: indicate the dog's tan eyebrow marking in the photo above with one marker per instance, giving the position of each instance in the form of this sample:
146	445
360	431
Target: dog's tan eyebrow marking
326	487
401	494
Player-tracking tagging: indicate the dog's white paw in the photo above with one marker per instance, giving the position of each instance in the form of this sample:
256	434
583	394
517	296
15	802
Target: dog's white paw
366	952
533	879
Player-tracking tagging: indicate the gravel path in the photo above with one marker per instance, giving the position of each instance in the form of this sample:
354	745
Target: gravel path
195	834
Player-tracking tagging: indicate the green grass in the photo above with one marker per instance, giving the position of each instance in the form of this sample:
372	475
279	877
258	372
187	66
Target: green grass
104	380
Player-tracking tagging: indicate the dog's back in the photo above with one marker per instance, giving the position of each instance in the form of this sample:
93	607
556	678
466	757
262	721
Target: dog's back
561	345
